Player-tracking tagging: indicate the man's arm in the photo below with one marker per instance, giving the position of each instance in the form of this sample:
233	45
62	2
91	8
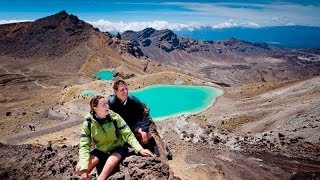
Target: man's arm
139	109
141	115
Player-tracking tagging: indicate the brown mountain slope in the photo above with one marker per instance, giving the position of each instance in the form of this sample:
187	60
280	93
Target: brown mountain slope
60	42
63	43
50	36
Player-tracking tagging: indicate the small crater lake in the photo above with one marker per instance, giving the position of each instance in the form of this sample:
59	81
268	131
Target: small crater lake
105	75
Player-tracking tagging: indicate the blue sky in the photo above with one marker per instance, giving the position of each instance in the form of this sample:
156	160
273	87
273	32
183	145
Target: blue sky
136	15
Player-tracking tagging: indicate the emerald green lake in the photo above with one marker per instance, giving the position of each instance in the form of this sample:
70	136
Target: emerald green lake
89	93
104	75
172	100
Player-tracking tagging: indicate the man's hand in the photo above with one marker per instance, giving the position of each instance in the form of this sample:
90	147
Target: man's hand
144	136
146	152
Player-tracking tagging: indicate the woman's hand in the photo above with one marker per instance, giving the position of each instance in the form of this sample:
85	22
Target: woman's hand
83	173
146	152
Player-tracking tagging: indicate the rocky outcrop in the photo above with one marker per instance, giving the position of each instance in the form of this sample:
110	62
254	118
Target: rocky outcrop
48	162
33	162
59	162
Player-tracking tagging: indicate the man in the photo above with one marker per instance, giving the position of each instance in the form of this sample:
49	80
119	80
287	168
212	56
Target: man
132	111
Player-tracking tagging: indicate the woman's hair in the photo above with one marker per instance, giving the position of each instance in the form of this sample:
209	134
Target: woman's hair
94	102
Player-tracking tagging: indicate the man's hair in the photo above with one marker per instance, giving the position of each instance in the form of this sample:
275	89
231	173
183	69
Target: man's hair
117	83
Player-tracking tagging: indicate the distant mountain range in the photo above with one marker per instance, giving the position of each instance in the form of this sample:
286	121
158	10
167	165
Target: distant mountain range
280	36
166	46
230	61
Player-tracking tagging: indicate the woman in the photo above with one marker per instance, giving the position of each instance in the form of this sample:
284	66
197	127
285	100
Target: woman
109	133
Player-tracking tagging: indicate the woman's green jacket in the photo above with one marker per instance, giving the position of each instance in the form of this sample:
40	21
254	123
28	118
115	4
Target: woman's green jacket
105	137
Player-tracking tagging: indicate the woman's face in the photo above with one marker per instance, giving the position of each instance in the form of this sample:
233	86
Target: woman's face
102	107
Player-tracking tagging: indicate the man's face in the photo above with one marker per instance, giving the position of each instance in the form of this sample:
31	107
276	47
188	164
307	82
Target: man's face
122	92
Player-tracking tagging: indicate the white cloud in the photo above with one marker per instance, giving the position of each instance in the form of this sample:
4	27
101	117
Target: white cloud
225	25
281	20
12	21
109	26
105	25
233	23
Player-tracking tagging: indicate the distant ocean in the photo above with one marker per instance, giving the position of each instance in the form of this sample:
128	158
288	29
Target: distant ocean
280	36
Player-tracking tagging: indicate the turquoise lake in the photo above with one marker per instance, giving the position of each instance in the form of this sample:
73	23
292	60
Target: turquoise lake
172	100
104	75
89	93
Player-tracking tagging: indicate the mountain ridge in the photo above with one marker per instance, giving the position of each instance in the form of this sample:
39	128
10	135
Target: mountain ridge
168	37
247	61
278	36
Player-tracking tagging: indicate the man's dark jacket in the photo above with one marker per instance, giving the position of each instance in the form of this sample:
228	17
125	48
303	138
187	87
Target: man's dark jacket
132	111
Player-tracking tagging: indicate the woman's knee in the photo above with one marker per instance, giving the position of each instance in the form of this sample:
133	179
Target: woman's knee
94	160
116	155
114	158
